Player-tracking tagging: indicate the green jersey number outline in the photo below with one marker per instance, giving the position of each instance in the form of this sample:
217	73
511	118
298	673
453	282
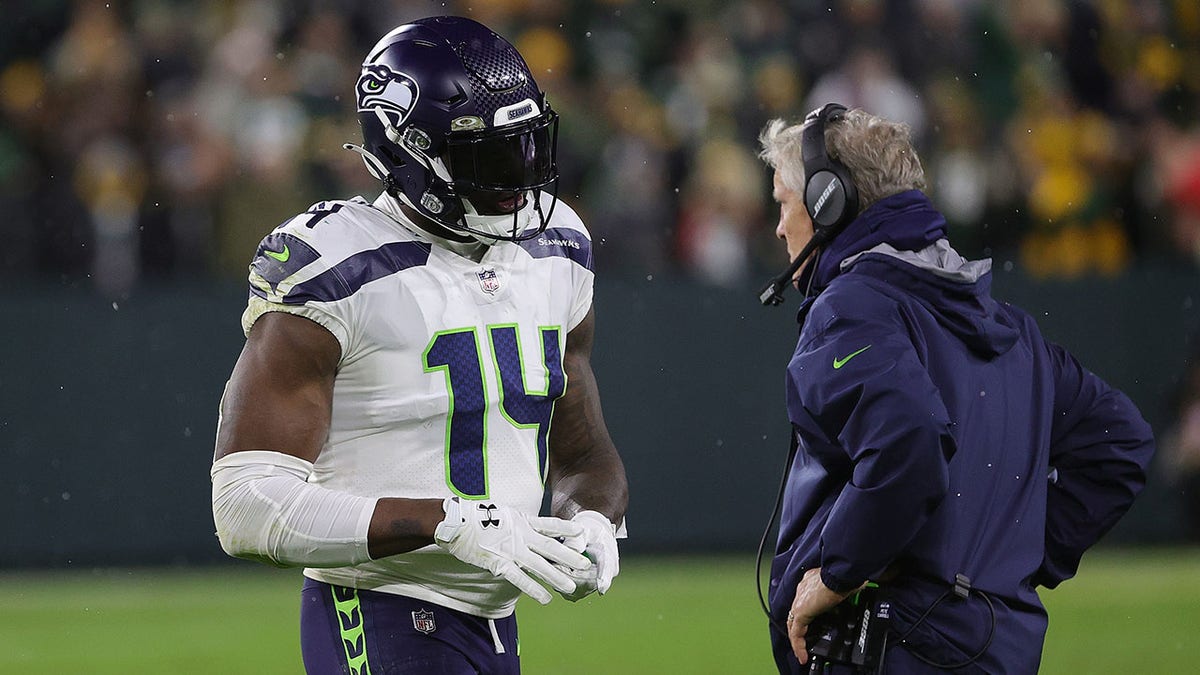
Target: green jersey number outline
458	354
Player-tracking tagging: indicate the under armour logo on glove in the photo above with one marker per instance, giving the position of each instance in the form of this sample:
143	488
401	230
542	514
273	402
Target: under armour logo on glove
522	549
489	519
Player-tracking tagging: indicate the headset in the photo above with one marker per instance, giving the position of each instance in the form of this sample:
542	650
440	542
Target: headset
830	195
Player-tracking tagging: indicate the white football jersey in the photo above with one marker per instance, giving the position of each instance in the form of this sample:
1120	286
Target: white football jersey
448	374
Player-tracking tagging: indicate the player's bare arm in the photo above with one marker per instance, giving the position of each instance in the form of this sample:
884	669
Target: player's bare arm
279	399
280	394
586	473
587	478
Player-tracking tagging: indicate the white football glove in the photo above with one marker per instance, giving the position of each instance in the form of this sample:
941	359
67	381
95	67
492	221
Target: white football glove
512	545
599	543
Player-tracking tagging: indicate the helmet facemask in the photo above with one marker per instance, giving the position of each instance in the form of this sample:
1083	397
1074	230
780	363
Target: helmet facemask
499	175
487	182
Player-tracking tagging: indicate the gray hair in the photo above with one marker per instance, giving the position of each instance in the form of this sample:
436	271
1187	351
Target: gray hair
878	153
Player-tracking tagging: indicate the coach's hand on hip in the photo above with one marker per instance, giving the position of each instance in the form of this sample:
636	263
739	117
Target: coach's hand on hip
813	598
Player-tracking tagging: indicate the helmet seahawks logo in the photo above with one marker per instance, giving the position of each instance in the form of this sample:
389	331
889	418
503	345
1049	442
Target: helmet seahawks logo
382	89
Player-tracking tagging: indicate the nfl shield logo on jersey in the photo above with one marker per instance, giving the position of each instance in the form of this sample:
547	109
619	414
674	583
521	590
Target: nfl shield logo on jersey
488	280
423	621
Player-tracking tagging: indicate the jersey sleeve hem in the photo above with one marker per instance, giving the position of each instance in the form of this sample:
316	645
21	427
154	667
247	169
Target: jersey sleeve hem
257	307
582	305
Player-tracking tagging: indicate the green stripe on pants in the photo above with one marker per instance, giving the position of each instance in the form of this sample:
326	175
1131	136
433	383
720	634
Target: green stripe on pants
350	622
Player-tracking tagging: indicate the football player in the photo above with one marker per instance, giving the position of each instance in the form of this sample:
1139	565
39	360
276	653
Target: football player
417	374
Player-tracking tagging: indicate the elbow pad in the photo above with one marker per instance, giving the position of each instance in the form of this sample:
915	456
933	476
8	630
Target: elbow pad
265	510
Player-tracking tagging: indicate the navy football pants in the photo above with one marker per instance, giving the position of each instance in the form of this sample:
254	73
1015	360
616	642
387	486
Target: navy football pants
344	630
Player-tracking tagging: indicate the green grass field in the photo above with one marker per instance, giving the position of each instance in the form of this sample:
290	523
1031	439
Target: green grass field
1128	612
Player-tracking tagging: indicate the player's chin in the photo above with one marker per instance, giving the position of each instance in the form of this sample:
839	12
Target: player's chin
498	203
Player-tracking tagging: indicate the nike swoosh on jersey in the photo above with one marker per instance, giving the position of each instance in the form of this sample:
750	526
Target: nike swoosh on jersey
838	363
281	256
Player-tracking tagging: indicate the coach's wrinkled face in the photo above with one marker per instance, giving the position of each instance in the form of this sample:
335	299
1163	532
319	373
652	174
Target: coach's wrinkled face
795	227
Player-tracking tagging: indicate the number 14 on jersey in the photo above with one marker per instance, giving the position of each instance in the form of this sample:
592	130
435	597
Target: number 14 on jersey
458	354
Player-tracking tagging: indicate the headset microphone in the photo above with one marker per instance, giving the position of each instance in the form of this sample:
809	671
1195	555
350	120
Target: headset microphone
772	294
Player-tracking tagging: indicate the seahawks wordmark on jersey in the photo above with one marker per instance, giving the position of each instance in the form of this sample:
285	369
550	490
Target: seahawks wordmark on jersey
448	373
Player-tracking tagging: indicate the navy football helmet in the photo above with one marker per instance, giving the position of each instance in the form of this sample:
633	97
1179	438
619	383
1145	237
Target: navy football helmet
456	128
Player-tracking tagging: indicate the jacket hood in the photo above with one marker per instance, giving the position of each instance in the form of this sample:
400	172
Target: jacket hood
906	220
902	240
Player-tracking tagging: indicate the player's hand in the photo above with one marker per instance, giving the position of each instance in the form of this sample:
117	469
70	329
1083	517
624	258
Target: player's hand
522	549
599	543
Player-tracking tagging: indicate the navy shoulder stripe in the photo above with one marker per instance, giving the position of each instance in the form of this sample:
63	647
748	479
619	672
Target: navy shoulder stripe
347	277
280	255
561	242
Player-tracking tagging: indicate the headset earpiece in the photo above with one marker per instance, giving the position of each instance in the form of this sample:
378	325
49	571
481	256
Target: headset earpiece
829	192
830	196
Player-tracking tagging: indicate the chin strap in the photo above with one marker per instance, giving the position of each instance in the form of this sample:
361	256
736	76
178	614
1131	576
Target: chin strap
469	247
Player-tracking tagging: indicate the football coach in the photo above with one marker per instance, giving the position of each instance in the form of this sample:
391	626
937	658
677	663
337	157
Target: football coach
944	450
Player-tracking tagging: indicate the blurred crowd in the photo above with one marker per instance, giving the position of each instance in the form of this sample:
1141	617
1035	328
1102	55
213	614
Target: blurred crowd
163	138
1179	447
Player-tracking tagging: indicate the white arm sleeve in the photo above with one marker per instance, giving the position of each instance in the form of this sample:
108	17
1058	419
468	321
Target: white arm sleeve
265	510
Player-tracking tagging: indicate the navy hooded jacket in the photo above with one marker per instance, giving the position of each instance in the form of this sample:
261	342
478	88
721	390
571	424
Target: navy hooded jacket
940	434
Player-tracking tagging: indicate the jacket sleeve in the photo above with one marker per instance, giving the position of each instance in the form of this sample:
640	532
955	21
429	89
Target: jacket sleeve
882	410
1100	448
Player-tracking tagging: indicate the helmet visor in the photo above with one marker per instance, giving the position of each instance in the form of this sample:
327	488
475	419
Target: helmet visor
516	158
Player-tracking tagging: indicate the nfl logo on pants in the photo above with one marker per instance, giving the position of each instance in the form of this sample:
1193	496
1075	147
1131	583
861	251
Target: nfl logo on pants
423	621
